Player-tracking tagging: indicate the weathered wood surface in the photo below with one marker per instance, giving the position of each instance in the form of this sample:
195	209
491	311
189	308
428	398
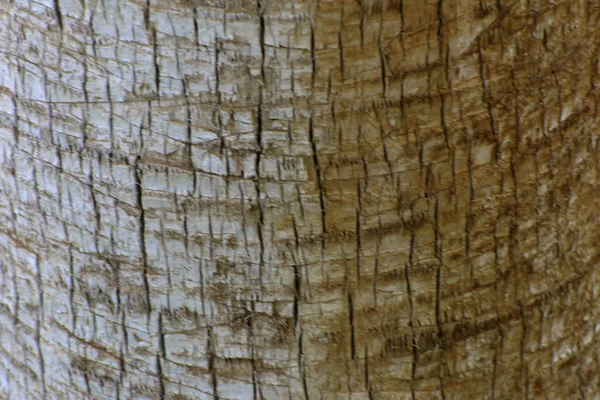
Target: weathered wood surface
299	199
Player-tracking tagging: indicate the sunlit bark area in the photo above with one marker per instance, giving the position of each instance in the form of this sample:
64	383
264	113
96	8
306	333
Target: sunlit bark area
299	199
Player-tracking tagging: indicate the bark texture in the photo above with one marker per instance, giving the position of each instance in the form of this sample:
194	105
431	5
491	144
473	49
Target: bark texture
299	199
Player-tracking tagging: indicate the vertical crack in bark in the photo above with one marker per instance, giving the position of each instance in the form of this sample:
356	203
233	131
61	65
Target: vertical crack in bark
421	151
487	99
368	384
188	117
111	119
167	263
297	289
428	68
341	52
517	115
297	317
341	42
211	363
196	30
441	47
259	131
156	63
49	112
201	280
415	348
120	312
13	172
86	376
469	215
147	7
301	365
72	290
71	305
92	34
402	25
186	229
357	234
161	357
514	223
360	150
188	110
297	279
352	327
334	121
381	61
594	76
440	35
219	96
122	370
377	255
39	323
138	176
58	13
443	118
256	391
161	383
211	233
299	199
329	89
439	251
315	154
96	210
16	294
244	222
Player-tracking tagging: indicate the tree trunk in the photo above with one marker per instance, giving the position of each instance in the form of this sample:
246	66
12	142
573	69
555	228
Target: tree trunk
303	199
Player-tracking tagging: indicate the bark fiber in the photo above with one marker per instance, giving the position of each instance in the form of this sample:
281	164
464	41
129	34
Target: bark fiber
299	199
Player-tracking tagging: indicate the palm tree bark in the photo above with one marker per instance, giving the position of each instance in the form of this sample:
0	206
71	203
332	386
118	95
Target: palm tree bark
299	199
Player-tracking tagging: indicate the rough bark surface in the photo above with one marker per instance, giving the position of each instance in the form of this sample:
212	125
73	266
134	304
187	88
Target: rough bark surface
299	199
